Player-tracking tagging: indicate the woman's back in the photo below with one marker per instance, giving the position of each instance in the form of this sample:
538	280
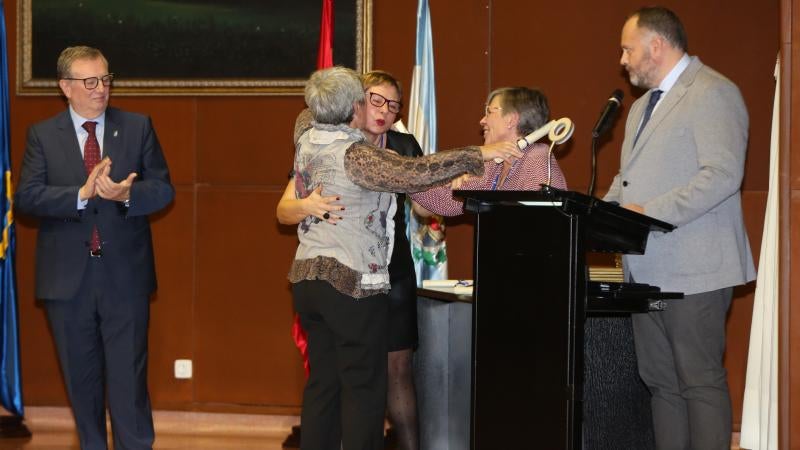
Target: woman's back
359	242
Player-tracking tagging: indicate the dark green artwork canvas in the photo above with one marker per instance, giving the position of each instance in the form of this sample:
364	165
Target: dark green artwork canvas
193	42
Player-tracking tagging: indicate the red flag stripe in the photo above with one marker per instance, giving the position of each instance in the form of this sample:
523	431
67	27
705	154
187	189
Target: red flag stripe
325	55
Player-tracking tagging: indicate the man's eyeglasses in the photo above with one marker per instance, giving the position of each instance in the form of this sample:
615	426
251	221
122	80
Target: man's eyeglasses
92	82
377	100
490	109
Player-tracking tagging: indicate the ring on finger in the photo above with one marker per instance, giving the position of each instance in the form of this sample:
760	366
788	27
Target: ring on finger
326	216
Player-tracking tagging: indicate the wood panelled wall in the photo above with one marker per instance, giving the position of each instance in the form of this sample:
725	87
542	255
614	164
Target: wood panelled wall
223	299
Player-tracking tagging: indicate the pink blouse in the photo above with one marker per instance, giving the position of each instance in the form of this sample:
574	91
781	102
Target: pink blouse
527	174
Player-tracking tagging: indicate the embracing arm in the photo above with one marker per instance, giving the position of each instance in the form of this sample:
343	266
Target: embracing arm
440	200
292	210
378	170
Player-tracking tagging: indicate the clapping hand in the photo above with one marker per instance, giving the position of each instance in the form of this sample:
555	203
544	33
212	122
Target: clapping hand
89	189
107	189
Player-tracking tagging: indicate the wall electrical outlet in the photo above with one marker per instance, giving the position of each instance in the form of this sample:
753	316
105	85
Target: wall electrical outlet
183	369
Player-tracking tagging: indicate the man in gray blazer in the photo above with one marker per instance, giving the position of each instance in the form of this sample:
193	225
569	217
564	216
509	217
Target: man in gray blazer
682	162
92	174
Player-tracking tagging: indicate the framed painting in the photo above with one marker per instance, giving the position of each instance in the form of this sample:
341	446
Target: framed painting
190	47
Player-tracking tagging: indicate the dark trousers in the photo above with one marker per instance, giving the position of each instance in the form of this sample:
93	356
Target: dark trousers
344	401
101	338
680	354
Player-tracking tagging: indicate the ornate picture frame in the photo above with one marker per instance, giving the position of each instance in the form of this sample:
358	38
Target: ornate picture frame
190	47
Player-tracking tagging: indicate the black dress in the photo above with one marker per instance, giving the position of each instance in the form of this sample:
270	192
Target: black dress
403	295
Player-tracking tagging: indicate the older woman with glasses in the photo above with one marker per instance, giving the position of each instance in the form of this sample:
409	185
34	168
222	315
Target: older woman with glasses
510	113
340	273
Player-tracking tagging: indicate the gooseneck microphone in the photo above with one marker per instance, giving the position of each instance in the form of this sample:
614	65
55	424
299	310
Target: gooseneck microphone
603	124
608	114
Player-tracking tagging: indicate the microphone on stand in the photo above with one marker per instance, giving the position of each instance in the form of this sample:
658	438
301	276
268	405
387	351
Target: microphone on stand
604	122
608	114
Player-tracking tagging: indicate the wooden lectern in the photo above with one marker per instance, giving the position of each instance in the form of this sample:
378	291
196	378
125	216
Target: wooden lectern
531	297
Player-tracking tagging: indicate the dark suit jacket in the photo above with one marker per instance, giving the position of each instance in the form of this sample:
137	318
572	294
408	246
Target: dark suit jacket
52	174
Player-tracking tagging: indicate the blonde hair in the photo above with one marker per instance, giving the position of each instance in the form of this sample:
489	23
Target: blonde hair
379	77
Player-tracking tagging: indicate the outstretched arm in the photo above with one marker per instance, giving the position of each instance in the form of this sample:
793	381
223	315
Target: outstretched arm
378	170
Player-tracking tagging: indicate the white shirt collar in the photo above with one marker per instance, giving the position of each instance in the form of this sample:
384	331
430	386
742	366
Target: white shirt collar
78	120
674	74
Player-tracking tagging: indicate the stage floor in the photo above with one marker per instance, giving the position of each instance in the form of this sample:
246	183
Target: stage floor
53	429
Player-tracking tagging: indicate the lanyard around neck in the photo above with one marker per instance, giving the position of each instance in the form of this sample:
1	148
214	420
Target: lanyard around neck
496	180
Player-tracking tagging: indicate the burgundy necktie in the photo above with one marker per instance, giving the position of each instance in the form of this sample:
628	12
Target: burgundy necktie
91	156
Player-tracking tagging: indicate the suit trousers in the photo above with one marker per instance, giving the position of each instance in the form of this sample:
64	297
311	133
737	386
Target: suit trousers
679	352
344	401
101	338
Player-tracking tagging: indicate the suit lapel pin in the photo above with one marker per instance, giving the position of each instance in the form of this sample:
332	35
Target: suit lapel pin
116	133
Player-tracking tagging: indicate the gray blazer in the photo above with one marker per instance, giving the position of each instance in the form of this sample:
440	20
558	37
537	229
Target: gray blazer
686	169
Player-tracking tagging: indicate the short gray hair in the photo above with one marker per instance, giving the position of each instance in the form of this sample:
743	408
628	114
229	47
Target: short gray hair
330	94
71	54
530	104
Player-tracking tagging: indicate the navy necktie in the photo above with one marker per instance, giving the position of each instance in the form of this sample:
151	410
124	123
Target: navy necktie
651	105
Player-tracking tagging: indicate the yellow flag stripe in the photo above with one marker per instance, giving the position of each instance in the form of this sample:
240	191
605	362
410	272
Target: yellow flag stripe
9	219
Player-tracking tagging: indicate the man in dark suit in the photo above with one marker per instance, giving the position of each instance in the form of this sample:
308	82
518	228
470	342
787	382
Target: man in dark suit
682	162
92	174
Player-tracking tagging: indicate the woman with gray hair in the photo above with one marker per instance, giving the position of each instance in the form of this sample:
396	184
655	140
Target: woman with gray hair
340	269
510	114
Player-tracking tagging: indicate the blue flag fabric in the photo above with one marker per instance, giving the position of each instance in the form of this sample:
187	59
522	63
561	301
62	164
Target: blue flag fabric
425	235
10	378
422	110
